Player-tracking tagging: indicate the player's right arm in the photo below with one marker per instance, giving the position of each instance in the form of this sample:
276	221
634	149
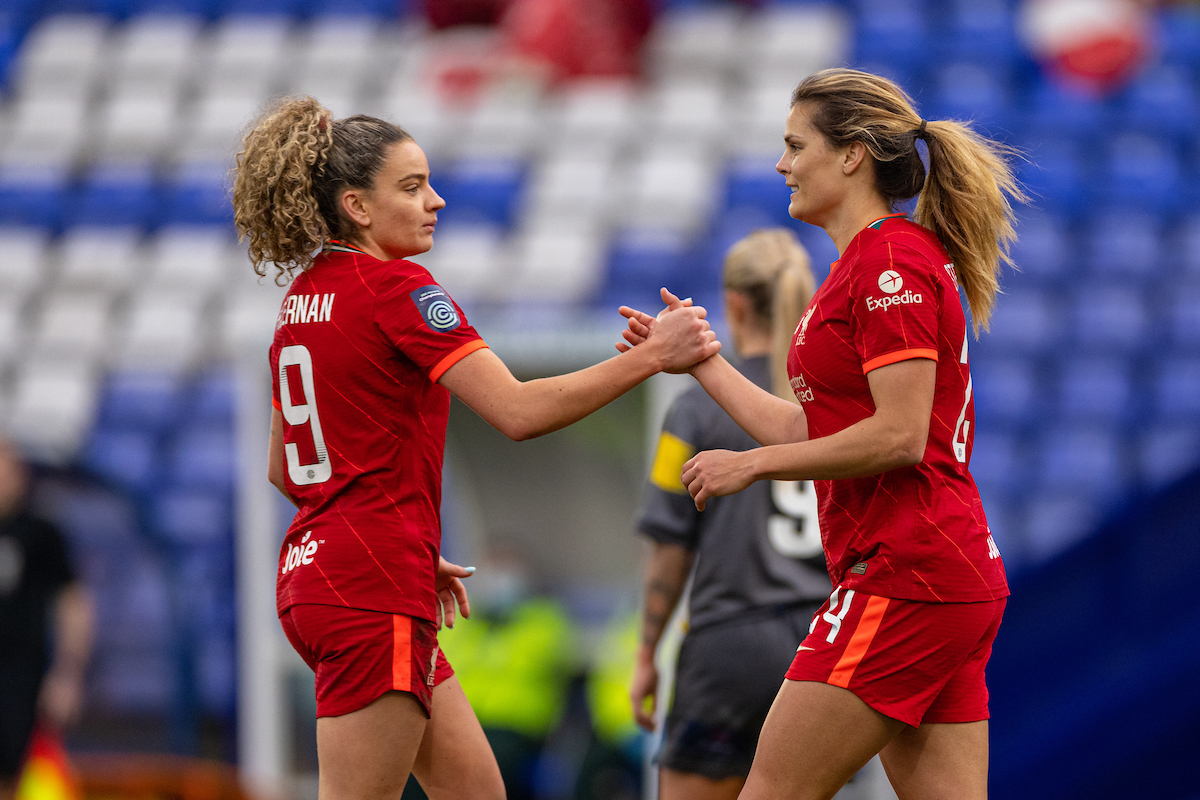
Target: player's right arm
275	470
666	575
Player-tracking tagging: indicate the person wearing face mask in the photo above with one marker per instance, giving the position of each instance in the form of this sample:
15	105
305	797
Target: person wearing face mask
368	349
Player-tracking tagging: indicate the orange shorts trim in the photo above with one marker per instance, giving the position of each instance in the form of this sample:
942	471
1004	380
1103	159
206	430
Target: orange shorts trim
864	633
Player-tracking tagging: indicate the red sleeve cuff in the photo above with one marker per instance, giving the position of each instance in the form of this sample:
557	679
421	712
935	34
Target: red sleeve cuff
275	404
899	355
453	358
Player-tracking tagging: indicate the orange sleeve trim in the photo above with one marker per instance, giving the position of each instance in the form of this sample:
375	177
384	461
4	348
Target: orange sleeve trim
452	359
899	355
275	404
401	653
864	634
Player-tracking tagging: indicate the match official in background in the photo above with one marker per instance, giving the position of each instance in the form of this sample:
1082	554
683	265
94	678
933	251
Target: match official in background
758	571
45	624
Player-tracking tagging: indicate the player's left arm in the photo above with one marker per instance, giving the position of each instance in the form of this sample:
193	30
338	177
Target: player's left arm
894	436
275	472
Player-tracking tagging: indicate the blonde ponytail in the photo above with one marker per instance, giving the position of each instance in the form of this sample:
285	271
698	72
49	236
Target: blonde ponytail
966	199
772	270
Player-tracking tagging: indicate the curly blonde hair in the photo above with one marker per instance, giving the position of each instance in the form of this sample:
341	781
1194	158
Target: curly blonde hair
295	162
965	200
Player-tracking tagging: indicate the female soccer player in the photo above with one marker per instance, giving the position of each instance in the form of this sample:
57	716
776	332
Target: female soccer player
894	663
758	573
367	350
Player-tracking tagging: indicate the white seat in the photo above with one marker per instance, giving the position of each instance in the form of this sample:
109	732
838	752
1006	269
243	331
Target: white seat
689	111
249	316
62	52
52	408
40	123
245	50
333	57
503	127
161	330
99	257
192	257
153	53
210	130
72	325
694	43
434	125
136	125
569	186
759	118
555	264
12	327
669	189
466	260
23	267
795	40
597	113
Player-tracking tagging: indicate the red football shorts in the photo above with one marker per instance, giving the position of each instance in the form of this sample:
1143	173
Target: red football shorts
915	662
360	655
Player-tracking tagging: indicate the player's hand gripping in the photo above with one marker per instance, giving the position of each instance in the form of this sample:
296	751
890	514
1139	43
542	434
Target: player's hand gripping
643	689
449	587
675	328
716	473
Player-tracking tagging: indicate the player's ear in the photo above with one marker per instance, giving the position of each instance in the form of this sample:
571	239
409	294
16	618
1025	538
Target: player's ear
853	156
354	205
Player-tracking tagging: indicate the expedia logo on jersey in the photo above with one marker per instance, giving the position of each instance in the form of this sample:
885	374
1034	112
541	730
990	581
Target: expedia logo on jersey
436	308
885	303
300	554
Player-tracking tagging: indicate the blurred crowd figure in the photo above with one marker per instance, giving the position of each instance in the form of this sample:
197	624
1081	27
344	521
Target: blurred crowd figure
45	625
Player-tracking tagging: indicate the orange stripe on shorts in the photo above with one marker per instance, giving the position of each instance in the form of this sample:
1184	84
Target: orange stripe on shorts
401	652
864	632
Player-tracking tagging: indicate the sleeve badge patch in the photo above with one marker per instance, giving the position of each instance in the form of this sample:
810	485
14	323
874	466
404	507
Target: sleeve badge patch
436	308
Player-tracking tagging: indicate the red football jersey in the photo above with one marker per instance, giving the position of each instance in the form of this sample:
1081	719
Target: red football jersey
913	533
359	346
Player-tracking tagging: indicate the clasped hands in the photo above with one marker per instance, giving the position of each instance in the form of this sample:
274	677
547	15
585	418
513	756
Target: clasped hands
710	473
685	343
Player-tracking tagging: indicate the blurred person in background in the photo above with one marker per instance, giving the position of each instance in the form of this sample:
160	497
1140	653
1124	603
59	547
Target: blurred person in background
613	763
45	624
755	559
894	661
367	350
514	658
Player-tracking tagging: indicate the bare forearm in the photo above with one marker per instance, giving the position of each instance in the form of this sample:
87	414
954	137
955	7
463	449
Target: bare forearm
868	447
768	419
666	576
73	629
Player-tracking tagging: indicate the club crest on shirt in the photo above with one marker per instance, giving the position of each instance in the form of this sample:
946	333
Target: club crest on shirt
803	327
436	308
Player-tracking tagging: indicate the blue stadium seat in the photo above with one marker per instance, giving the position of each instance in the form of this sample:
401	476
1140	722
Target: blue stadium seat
997	463
970	92
1055	520
478	191
128	458
383	9
1184	315
1006	392
1098	389
753	183
1055	111
198	196
1045	250
1080	458
1166	452
1125	244
148	401
642	261
289	8
895	32
1053	176
1022	323
1177	389
114	196
190	517
212	399
203	456
980	32
1111	320
1179	35
1185	248
1162	102
1140	173
32	196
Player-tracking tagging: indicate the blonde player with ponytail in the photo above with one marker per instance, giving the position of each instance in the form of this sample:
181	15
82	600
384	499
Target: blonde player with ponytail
367	350
754	558
894	660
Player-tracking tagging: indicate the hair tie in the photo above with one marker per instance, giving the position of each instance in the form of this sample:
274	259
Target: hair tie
322	122
921	133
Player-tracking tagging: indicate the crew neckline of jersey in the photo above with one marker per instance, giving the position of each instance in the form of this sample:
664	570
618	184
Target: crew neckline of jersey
874	225
338	246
